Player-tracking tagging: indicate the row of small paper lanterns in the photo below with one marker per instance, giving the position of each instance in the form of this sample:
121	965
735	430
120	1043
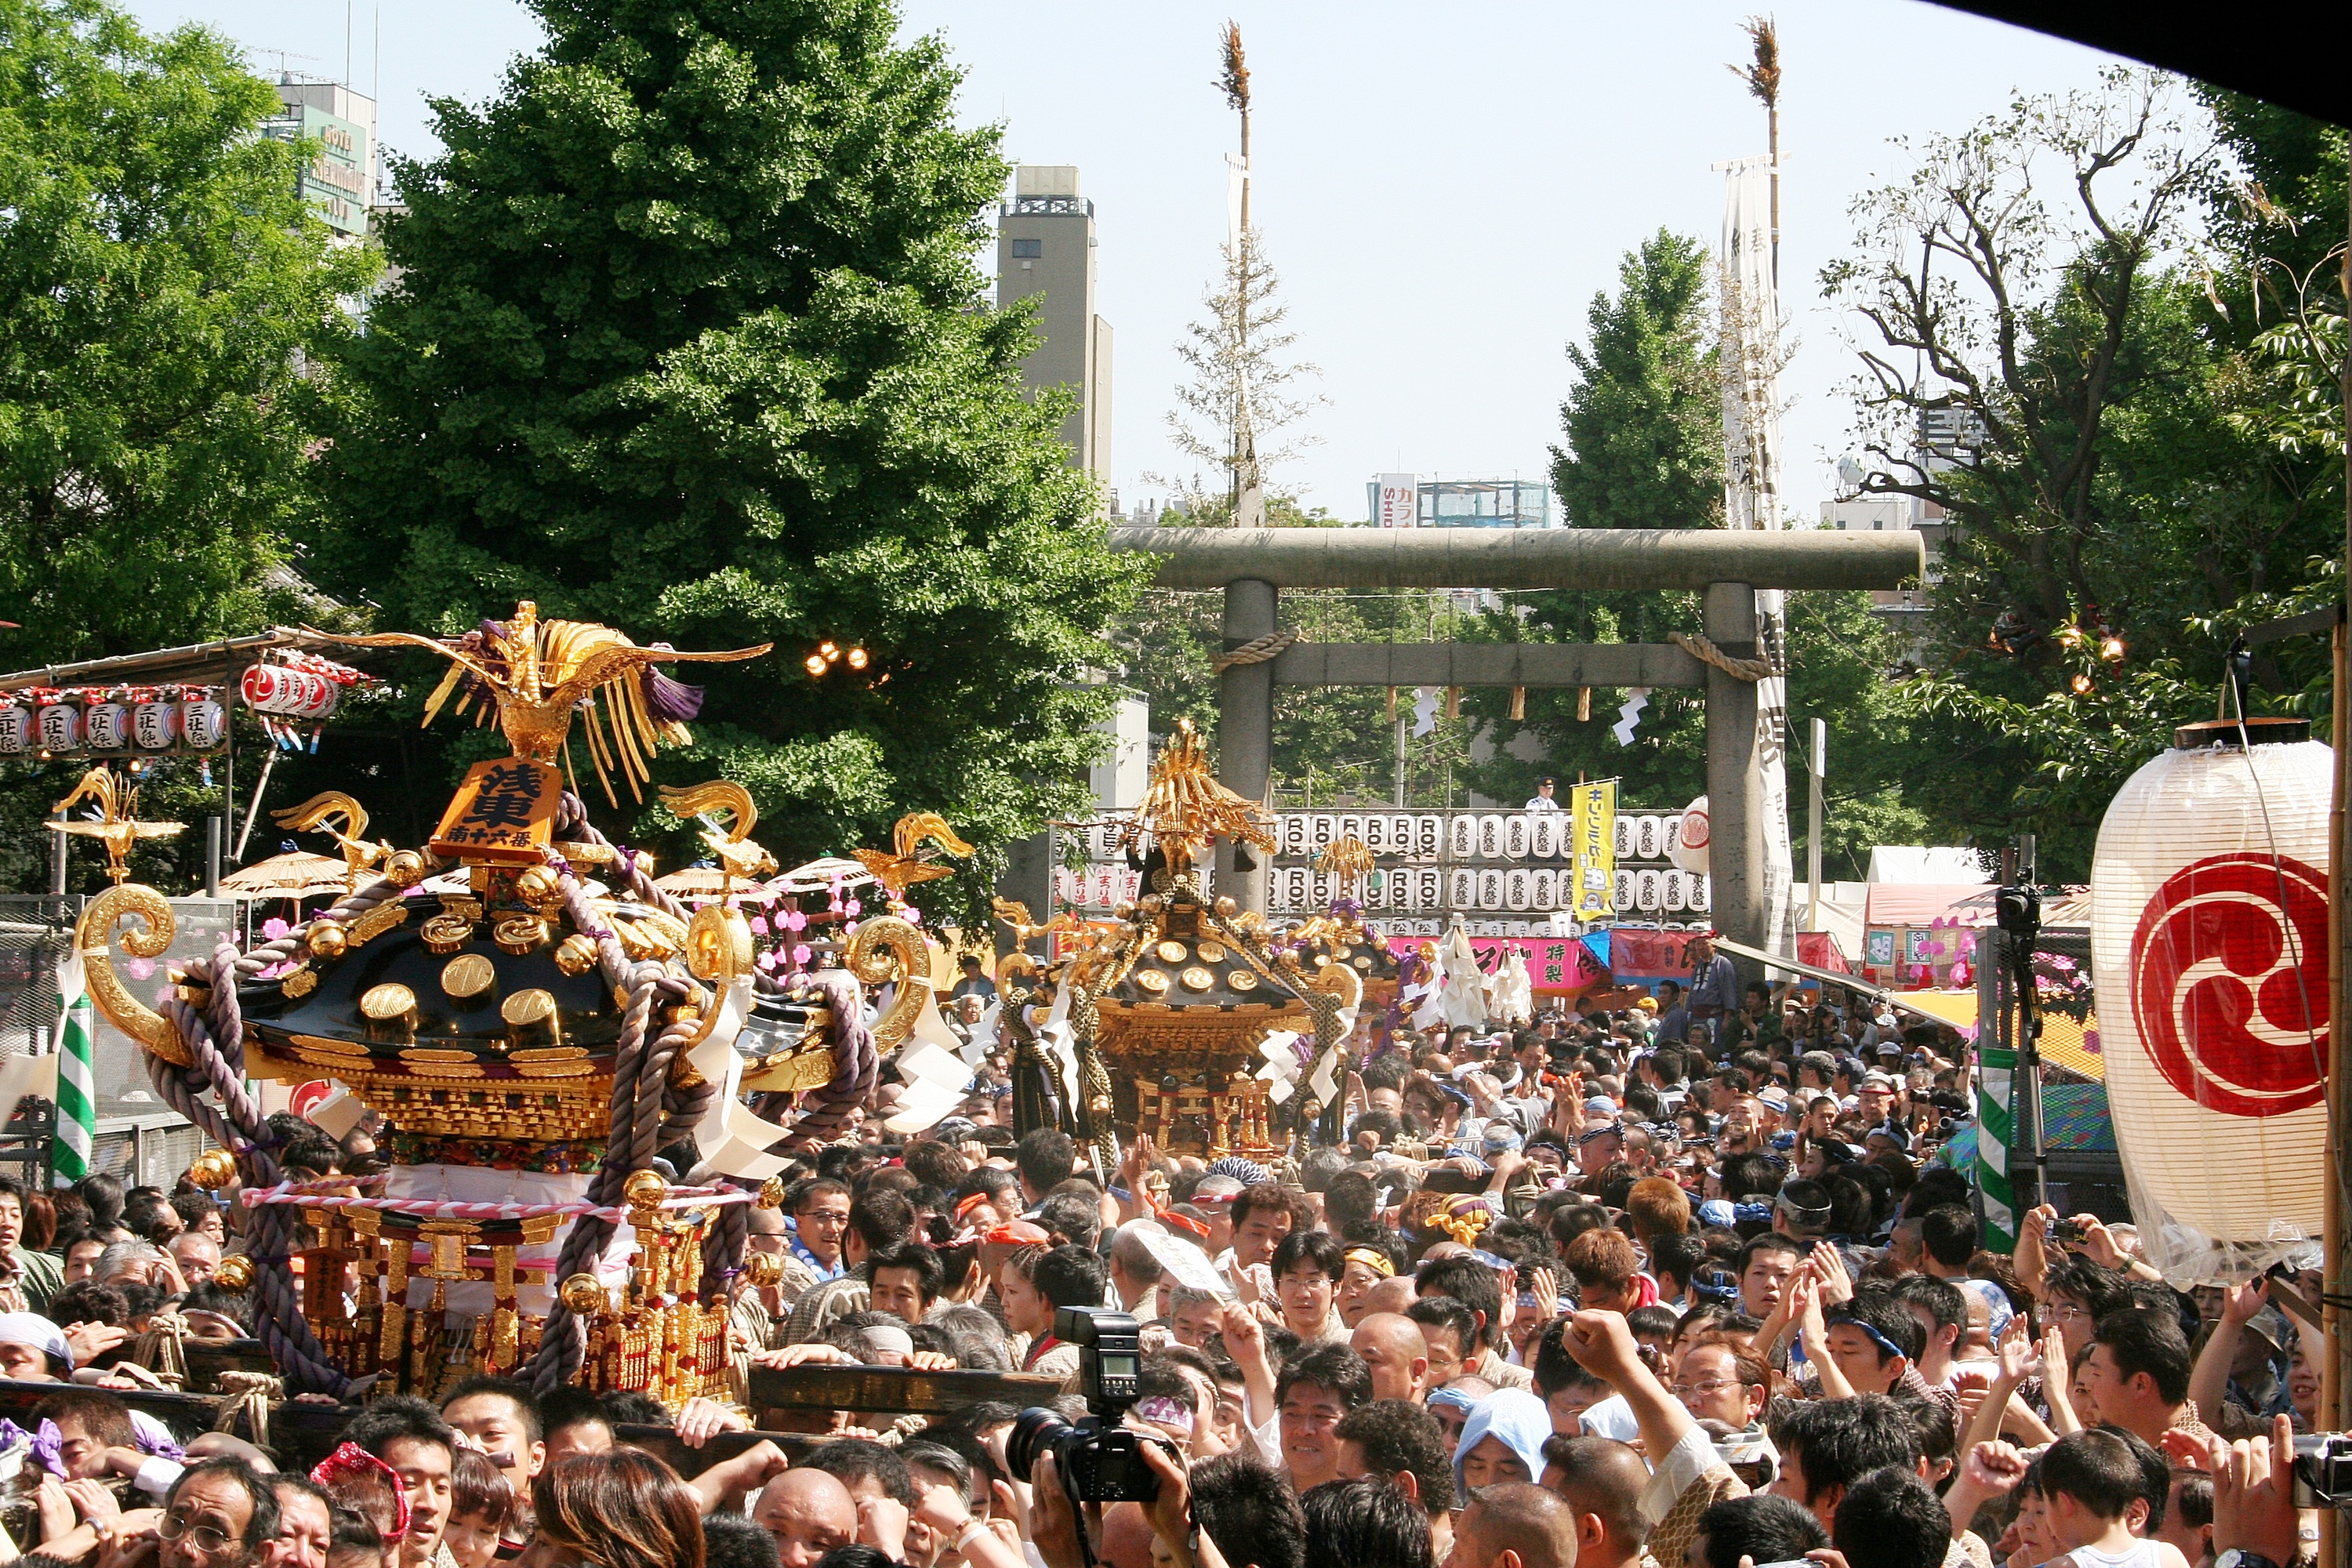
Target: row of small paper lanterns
1463	835
1488	887
102	719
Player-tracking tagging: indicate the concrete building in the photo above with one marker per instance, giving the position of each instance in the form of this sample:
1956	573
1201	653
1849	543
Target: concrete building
1045	247
339	183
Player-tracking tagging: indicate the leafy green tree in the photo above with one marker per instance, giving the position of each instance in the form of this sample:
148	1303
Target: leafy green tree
1644	420
687	337
160	283
2154	453
163	289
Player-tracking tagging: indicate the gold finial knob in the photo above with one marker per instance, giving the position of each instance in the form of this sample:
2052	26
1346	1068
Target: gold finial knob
575	954
538	885
327	939
212	1170
235	1273
772	1193
763	1270
405	868
585	1297
645	1190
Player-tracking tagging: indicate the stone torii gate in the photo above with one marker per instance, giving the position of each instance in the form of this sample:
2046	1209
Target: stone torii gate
1253	565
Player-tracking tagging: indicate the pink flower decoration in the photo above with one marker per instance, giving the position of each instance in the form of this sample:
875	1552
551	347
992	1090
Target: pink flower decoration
273	928
140	968
852	909
766	961
800	956
914	915
760	925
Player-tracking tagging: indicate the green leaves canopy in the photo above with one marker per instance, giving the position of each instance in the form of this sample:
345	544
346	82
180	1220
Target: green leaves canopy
688	338
160	284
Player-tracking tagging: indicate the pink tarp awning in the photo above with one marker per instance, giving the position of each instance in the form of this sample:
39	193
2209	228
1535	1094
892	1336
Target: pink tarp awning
1895	904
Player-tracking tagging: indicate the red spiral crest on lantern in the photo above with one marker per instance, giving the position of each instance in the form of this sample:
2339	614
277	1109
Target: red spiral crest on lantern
1695	830
2229	987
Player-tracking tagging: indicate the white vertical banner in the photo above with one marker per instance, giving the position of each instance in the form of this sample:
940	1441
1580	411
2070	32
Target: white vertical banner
1400	500
1751	356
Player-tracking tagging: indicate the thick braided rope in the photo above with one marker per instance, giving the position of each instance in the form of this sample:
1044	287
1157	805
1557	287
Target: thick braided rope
236	1125
722	1249
855	1064
1258	650
563	1340
349	908
1706	652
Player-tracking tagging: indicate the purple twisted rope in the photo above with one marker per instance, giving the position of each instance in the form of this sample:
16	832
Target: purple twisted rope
856	1065
237	1127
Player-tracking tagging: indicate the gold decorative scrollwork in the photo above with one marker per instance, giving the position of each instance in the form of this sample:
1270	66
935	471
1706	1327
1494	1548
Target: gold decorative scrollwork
94	937
886	949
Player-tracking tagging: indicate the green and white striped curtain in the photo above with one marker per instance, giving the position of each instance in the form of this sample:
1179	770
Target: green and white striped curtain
1996	1129
77	1098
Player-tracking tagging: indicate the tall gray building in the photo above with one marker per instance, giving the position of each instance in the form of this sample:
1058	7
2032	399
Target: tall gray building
1045	245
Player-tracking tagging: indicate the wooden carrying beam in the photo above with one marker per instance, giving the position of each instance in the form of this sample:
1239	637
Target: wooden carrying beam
894	1390
1487	664
1591	558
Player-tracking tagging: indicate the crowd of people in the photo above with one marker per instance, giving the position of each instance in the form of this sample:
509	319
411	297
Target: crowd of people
1670	1286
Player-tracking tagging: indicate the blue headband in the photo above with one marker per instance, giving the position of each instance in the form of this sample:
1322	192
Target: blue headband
1889	1346
1451	1399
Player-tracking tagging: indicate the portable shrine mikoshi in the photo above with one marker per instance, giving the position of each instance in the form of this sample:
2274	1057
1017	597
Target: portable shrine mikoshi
533	1017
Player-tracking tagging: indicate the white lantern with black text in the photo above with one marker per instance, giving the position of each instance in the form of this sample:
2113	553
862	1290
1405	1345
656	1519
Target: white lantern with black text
204	723
106	726
16	729
59	725
155	725
2209	946
1543	833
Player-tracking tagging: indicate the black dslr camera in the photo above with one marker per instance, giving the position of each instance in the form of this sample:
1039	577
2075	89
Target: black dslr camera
2322	1470
1098	1459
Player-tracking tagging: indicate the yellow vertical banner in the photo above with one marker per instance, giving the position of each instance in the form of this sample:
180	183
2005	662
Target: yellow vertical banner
1593	808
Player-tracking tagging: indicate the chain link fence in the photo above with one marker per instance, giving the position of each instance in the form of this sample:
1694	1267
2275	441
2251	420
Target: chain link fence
137	1138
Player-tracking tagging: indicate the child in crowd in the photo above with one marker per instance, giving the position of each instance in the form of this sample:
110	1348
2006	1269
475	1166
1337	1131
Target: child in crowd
481	1501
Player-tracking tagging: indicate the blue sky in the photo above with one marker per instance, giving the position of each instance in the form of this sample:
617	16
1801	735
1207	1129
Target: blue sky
1441	189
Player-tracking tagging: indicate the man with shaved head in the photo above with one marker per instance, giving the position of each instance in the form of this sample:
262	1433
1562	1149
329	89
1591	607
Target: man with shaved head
809	1513
1514	1525
1392	1296
1126	1539
1398	1356
1601	1480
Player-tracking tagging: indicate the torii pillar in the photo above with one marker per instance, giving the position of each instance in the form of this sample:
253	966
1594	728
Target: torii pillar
1253	565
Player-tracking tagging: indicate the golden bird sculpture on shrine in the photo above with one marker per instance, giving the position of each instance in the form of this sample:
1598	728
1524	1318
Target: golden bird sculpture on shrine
901	871
116	825
531	676
738	856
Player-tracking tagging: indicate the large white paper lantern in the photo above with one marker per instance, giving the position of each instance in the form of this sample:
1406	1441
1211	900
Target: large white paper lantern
2209	946
16	729
1689	847
1462	837
1544	835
